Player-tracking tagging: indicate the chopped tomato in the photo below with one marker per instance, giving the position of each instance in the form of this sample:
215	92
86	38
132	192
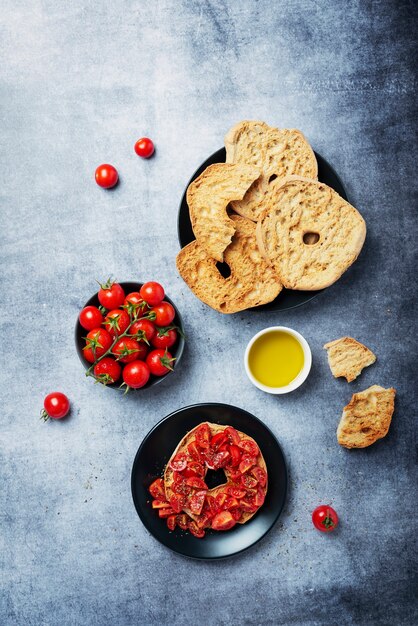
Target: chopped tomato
236	455
259	498
236	514
217	440
196	482
164	513
203	436
250	446
179	462
232	435
196	502
221	499
223	521
194	451
195	530
249	482
203	521
177	502
156	489
194	468
220	459
236	492
247	462
160	504
231	503
260	474
248	507
182	521
171	522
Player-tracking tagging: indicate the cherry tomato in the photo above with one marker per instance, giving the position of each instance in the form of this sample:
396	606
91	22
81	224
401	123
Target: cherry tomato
106	176
107	371
182	521
56	406
197	501
202	436
127	350
236	492
249	482
324	518
98	341
116	322
111	295
165	337
249	446
172	521
233	435
134	304
90	317
195	530
164	314
160	362
223	521
218	440
156	489
260	475
196	482
152	293
236	455
246	463
144	329
177	502
179	462
194	451
144	147
136	374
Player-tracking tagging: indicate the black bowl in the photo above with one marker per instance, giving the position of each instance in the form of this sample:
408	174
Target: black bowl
287	299
158	446
176	350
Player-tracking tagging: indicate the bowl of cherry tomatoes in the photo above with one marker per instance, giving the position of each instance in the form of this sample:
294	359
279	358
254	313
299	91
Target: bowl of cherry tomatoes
129	335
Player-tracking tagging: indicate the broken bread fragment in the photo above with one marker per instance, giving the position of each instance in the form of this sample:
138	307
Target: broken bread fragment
347	357
367	417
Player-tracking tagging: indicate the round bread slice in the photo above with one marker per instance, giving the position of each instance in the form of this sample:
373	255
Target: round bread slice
276	152
182	447
252	281
308	233
208	197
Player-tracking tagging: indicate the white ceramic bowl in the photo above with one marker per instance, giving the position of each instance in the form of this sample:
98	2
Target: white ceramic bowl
300	378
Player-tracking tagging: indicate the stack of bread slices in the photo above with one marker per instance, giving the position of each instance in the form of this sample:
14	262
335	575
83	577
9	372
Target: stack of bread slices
267	217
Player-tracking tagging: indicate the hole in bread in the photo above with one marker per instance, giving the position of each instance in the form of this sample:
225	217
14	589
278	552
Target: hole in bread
310	238
365	429
272	177
214	478
223	269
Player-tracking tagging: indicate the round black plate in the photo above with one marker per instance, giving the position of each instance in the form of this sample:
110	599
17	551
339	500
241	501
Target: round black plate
157	448
176	350
287	299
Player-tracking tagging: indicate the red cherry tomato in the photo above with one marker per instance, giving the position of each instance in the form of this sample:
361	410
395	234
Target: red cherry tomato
134	304
116	322
144	147
202	436
164	314
165	338
250	446
136	374
160	362
106	176
179	463
111	295
90	317
107	371
98	341
152	293
143	329
127	350
324	518
56	406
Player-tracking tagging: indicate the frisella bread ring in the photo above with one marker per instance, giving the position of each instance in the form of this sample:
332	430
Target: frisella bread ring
308	233
212	446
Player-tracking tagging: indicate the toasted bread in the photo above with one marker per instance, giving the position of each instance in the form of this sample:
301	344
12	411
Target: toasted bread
308	233
367	417
348	357
251	282
208	197
275	152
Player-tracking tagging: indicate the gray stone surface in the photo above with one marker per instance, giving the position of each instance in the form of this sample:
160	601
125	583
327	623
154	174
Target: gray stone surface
80	82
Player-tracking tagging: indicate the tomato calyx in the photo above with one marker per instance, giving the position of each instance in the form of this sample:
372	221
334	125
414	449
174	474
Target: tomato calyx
108	284
328	522
93	343
166	361
141	335
104	379
44	415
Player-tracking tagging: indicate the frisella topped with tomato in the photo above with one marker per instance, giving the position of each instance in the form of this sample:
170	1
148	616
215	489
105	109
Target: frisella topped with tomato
183	497
131	337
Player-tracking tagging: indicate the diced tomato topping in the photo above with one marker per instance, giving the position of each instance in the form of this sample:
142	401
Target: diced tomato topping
250	446
194	451
220	499
236	514
165	512
196	502
236	455
195	530
217	440
179	462
203	521
249	482
171	521
224	447
156	489
236	492
202	436
232	435
211	507
235	475
196	482
220	459
194	469
159	504
223	521
231	503
259	498
248	507
247	462
177	502
260	474
182	521
187	473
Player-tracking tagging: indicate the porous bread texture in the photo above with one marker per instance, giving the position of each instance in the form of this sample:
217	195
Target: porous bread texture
308	233
348	357
251	282
182	447
208	197
277	153
367	417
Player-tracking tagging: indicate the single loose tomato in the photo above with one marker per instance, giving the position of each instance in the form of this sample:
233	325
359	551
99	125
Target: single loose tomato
56	406
179	462
164	314
202	436
107	371
144	147
156	489
98	341
165	337
90	317
223	521
144	330
325	518
160	362
106	176
134	304
116	322
136	374
128	349
152	293
111	295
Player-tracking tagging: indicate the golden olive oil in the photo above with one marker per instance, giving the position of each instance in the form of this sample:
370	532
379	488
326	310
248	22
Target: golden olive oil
276	358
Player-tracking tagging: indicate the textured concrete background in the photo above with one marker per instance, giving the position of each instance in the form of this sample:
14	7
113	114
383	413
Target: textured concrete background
81	81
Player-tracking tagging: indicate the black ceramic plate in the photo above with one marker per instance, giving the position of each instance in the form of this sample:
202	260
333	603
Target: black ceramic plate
176	350
157	448
287	299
